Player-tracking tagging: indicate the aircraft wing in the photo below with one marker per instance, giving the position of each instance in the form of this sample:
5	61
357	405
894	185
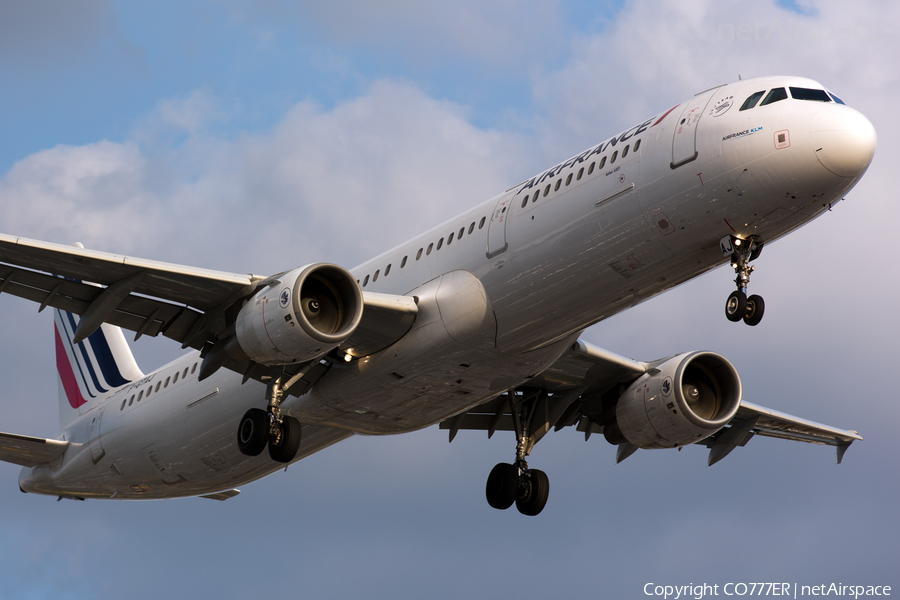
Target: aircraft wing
576	389
30	451
195	307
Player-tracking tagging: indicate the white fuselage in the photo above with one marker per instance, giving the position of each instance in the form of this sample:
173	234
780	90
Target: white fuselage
503	289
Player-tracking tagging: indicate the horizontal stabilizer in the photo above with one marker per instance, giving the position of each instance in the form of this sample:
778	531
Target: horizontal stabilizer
30	451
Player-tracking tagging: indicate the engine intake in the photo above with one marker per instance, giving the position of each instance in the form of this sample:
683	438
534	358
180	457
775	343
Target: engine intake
310	311
685	399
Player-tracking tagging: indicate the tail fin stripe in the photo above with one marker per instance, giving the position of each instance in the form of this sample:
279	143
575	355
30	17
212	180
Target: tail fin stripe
105	360
84	355
66	375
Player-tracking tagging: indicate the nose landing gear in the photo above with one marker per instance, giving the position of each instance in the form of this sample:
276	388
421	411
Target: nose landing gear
741	252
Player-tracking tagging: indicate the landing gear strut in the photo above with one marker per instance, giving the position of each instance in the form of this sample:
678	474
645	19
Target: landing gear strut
741	252
261	427
516	483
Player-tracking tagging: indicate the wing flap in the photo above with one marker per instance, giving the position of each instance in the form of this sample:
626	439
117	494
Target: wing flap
30	451
773	423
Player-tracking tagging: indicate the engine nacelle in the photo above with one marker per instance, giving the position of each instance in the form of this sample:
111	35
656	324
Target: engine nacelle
684	400
312	310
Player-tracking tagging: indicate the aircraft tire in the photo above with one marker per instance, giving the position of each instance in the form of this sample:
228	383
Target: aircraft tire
502	486
532	503
290	441
756	306
253	432
736	306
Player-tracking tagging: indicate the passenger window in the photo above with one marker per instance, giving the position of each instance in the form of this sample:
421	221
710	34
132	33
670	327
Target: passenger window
167	383
174	379
580	173
124	401
440	243
613	157
525	201
430	248
751	100
591	169
637	145
625	152
481	222
547	190
556	187
471	227
149	391
450	239
775	95
403	262
366	281
387	270
808	94
194	368
159	383
419	254
183	375
569	179
462	230
141	395
602	162
375	276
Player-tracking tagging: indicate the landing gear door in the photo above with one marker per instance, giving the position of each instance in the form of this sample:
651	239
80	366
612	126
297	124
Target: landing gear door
497	228
684	142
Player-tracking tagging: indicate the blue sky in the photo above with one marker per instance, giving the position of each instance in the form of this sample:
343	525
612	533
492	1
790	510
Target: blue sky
258	136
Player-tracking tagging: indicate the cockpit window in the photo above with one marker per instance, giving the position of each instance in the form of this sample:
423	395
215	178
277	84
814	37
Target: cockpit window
752	100
774	96
835	98
808	94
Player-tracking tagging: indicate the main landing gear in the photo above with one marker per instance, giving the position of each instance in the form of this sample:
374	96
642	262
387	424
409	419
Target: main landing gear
259	428
741	252
516	483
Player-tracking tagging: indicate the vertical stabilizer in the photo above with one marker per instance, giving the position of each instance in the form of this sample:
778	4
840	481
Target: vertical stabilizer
90	370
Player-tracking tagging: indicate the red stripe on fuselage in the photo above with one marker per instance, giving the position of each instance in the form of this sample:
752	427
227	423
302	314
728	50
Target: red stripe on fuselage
666	114
66	374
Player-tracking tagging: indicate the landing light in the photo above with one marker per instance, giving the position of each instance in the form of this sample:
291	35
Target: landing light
737	242
347	358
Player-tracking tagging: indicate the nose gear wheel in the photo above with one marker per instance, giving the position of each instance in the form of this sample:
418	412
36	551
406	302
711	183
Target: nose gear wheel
738	306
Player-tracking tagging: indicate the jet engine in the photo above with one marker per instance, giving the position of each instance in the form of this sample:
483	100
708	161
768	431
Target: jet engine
305	314
683	400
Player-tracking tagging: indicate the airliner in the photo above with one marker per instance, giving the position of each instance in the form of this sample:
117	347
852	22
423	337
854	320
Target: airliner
473	325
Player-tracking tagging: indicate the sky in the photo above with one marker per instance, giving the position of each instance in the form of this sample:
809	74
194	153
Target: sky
258	136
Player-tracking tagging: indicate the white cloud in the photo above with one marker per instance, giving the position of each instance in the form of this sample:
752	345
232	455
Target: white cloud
363	176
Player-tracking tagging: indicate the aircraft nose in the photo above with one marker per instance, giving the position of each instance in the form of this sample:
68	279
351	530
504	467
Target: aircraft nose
843	139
